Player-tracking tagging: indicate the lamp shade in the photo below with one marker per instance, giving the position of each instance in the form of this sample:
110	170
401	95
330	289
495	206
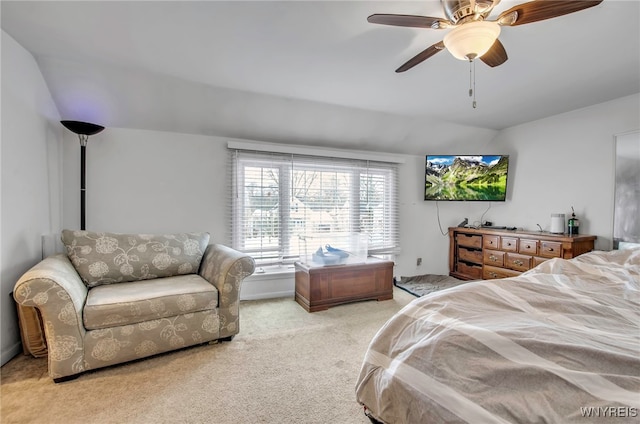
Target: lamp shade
471	39
82	128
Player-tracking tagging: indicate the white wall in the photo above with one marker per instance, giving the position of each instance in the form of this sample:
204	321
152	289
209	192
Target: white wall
151	181
568	160
555	163
30	177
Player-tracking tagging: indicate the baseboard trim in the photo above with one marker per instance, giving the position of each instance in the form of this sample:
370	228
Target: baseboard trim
268	295
267	286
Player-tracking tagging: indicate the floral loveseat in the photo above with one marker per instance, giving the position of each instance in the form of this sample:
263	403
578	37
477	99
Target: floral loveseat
117	297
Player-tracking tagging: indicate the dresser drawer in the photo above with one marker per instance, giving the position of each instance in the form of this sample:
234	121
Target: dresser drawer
509	244
470	255
469	240
473	271
538	260
529	247
550	249
517	261
491	272
491	242
493	257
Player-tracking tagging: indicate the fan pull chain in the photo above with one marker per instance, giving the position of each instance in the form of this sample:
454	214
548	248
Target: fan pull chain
472	81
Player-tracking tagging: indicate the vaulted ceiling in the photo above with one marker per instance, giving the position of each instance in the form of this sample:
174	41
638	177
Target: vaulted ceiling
316	71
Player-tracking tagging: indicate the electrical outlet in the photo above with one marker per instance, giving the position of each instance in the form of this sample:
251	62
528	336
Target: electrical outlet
419	261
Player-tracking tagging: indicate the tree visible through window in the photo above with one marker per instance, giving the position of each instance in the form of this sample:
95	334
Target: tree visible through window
276	198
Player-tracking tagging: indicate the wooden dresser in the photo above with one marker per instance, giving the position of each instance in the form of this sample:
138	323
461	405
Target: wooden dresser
319	287
485	253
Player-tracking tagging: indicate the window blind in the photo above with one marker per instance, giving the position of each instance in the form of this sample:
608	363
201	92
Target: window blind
276	197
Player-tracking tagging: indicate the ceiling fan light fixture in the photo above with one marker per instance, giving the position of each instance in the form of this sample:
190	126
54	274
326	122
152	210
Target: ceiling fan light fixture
472	39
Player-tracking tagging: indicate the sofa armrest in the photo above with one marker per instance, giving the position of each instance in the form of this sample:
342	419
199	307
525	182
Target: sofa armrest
225	268
54	287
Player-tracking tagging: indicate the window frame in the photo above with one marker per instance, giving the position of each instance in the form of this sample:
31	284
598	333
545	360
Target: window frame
287	165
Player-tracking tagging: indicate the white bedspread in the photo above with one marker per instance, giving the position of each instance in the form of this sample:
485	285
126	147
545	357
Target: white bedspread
558	344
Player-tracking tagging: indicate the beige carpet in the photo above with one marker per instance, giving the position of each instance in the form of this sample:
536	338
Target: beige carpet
285	366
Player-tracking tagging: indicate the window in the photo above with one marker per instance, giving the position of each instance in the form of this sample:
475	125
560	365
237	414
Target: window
277	196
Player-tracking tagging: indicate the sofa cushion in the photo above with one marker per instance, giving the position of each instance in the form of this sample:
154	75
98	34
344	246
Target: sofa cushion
106	258
135	302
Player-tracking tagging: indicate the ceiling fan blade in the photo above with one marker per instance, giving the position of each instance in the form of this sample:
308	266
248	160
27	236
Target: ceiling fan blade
496	55
540	10
422	56
409	21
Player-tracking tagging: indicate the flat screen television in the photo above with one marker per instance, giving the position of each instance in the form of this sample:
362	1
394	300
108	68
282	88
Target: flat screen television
459	177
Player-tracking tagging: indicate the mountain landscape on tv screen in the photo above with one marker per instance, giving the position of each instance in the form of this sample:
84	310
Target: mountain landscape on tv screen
466	178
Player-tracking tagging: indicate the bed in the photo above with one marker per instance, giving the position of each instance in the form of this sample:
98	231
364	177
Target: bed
557	344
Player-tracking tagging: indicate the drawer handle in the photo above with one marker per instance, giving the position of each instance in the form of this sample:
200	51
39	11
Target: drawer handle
493	258
518	262
493	275
491	242
528	246
508	244
550	249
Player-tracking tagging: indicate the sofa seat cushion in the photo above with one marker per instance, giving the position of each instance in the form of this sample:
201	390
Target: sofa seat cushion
135	302
107	258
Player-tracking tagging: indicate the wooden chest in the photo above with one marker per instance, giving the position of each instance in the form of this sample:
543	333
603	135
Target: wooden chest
320	287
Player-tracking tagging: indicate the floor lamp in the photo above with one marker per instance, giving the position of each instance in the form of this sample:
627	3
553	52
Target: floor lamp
84	130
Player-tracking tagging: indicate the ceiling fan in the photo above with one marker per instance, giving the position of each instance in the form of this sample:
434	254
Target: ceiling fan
471	35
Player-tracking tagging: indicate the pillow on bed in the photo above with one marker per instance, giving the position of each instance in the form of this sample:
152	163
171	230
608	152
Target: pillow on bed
107	258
